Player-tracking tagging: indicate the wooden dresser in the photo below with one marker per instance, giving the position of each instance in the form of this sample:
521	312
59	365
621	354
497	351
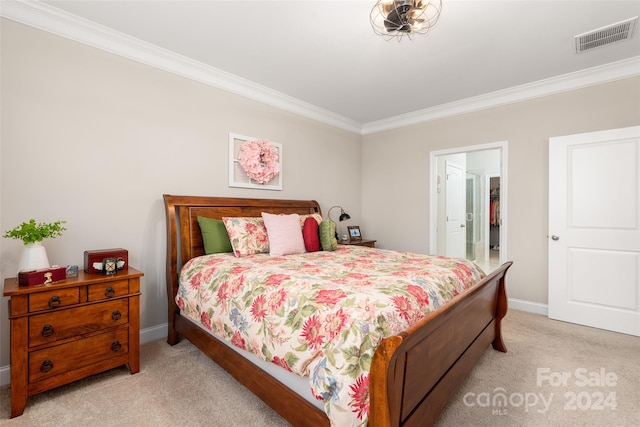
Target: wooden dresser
65	331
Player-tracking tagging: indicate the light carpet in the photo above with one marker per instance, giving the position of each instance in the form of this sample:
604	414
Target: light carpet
554	374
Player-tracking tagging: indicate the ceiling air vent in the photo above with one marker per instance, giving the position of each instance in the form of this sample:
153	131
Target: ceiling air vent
611	33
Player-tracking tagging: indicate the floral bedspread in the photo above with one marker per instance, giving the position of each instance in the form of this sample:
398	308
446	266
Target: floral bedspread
320	314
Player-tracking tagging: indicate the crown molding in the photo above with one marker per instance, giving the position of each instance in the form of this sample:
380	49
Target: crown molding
591	76
56	21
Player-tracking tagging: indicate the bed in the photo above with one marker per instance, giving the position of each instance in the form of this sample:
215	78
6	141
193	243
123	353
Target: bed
412	373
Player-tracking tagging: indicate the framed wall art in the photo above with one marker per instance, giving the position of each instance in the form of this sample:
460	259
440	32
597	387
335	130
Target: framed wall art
254	163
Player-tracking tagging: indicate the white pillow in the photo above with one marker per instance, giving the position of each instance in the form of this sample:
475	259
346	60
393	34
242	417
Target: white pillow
285	234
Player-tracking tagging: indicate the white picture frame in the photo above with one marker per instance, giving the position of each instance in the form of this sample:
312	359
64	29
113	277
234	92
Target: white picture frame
237	176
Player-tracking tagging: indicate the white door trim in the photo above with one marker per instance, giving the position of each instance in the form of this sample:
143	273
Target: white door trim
504	191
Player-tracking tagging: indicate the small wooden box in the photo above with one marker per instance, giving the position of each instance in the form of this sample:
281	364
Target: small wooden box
98	255
42	276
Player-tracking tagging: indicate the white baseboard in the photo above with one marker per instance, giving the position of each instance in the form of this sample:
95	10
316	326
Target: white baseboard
5	375
531	307
146	335
154	333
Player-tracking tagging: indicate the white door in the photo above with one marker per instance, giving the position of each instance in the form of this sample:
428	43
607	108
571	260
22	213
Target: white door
455	210
594	229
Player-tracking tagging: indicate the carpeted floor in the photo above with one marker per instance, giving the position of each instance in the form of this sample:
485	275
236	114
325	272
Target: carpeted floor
554	374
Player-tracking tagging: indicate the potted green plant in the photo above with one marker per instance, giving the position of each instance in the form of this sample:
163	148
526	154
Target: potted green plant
34	255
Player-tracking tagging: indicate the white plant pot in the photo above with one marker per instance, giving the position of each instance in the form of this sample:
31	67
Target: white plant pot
34	257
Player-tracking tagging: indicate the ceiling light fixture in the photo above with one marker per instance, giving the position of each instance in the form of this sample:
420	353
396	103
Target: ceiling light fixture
399	18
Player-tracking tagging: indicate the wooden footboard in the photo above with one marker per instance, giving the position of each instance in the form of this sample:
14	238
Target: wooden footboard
413	374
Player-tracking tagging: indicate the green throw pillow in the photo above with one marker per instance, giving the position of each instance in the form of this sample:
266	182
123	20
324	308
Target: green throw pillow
214	236
328	240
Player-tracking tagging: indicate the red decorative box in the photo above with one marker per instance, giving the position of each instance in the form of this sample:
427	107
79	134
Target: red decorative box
41	277
97	256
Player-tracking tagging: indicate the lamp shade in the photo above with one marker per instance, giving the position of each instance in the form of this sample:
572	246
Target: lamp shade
343	215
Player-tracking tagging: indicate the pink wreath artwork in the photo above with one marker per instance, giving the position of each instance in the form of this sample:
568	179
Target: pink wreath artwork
259	160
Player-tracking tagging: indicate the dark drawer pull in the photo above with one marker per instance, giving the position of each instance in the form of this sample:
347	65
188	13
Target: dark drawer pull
109	292
46	366
55	301
47	331
116	315
116	346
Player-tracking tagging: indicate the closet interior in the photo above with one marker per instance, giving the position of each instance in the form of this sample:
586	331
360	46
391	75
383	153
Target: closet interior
494	218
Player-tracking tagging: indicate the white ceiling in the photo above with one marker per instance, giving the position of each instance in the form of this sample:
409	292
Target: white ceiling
325	53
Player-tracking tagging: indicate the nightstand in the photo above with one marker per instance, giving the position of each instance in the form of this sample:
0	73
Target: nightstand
364	242
64	331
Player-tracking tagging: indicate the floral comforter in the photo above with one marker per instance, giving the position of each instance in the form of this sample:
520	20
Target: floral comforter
320	314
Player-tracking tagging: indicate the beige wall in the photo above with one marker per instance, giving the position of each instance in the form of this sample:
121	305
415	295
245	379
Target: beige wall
96	139
395	172
79	124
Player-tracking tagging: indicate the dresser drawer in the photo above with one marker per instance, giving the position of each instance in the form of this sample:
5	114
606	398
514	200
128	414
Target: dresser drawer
62	324
56	360
108	290
53	299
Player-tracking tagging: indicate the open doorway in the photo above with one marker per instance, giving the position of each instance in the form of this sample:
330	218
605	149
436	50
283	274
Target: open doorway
483	208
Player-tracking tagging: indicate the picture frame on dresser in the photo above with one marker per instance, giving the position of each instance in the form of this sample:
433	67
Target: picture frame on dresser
354	232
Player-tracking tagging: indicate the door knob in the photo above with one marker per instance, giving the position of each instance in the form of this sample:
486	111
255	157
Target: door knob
462	225
554	237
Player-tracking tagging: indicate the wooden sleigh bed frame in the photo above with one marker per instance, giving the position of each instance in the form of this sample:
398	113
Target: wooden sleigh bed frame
413	374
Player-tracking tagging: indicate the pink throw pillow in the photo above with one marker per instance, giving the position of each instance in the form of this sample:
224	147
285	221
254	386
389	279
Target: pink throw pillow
285	234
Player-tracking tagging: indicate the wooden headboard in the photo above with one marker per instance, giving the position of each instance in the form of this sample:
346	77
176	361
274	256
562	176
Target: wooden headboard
184	240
